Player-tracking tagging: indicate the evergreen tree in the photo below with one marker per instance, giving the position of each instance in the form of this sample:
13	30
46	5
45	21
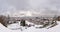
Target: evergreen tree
22	22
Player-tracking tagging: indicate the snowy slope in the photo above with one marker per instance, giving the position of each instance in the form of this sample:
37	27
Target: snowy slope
4	29
30	29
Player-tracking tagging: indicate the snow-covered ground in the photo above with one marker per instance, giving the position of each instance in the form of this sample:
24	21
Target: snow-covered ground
30	29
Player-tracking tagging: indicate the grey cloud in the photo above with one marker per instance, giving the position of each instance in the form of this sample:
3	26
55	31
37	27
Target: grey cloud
37	5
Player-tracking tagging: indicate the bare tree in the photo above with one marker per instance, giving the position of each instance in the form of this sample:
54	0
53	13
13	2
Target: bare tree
3	20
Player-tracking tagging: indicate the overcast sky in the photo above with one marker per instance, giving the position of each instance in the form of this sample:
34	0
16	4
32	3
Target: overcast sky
42	6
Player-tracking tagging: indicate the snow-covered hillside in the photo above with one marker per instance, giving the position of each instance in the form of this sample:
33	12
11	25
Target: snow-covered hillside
29	29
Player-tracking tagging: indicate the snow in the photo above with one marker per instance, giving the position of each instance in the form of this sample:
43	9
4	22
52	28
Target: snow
14	26
29	22
4	29
30	29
